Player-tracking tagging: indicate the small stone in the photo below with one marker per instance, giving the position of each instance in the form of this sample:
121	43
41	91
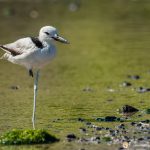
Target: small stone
87	89
146	121
147	111
34	14
82	129
110	90
15	87
110	118
81	119
133	123
107	128
125	145
98	128
95	140
128	110
73	7
109	100
100	119
142	90
134	77
126	84
139	125
71	137
121	126
140	139
88	123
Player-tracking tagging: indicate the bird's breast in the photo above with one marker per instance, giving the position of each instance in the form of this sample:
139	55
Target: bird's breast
41	57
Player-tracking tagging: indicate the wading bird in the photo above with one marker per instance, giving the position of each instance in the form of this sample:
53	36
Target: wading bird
33	53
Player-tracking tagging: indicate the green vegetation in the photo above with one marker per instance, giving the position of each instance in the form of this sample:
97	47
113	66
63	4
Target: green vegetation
17	137
147	111
106	139
109	40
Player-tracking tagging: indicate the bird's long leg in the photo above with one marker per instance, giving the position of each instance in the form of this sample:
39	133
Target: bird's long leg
35	95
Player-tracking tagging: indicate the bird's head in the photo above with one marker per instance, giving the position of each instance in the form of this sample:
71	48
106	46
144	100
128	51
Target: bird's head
49	34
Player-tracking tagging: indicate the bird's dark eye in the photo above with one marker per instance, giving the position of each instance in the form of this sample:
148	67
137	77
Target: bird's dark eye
47	33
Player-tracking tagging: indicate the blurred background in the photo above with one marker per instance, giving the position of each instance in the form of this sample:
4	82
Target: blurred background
108	41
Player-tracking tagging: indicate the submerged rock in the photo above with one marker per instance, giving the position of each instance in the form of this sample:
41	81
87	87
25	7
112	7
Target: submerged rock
15	87
87	89
109	119
128	110
81	119
147	111
70	137
126	84
134	77
143	90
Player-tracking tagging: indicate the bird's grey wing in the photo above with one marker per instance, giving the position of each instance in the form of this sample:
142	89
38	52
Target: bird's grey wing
19	47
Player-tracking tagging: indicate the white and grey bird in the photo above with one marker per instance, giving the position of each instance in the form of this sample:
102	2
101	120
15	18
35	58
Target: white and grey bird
33	53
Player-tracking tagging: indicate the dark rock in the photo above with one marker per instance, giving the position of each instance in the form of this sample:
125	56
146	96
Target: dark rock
146	121
15	87
98	128
100	119
95	140
143	90
147	111
121	126
126	84
117	131
107	128
81	119
139	125
88	123
134	77
148	138
109	100
71	137
110	118
88	89
133	123
83	140
82	129
128	110
140	139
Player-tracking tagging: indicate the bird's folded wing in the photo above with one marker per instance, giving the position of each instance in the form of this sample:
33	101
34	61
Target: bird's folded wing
19	47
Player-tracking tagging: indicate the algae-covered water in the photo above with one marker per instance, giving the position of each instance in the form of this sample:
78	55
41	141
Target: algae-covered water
109	40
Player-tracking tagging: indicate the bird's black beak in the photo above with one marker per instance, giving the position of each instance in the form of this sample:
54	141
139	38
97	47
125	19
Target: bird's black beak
60	39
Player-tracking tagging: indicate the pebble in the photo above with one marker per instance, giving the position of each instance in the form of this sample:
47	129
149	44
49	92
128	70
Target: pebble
126	84
88	89
121	126
82	129
128	110
133	123
88	123
15	87
134	77
71	137
146	121
143	90
98	128
81	119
